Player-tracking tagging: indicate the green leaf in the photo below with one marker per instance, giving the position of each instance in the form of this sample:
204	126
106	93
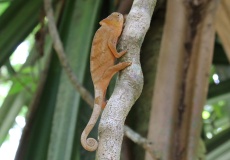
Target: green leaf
27	70
3	6
22	82
17	22
9	110
77	35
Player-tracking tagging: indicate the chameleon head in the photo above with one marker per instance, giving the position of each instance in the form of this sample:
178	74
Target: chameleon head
114	20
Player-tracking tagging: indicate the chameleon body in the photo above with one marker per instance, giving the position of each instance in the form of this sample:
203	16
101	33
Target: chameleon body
102	68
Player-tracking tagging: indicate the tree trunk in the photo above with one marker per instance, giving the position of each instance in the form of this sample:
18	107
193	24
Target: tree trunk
182	79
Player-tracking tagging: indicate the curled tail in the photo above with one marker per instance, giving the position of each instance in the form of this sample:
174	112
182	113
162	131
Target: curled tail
91	144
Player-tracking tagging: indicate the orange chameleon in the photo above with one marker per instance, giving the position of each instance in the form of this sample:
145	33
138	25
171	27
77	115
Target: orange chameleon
103	67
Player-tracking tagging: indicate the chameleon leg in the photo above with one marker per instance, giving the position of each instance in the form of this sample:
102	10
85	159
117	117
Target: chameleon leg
112	47
107	76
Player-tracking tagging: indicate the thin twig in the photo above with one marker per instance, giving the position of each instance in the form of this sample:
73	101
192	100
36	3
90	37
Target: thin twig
62	55
17	77
85	94
141	141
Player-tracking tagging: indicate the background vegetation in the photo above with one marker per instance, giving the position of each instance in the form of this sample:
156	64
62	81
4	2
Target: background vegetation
35	90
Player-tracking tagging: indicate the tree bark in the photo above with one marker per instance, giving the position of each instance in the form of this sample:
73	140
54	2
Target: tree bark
182	79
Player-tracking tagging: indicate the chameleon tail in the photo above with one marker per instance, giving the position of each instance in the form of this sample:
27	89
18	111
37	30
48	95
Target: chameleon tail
91	144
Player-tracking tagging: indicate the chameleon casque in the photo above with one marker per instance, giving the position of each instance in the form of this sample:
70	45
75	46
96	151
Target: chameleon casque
102	68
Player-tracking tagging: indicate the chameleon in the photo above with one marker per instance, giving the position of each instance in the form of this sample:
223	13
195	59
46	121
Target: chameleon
102	67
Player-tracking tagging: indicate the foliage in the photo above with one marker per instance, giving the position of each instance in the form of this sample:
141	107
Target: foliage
55	110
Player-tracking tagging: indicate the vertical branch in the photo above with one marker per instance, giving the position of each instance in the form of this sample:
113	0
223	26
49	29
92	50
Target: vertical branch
204	46
182	78
129	83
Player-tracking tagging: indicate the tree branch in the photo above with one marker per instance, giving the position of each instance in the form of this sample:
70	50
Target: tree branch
129	83
85	94
143	142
